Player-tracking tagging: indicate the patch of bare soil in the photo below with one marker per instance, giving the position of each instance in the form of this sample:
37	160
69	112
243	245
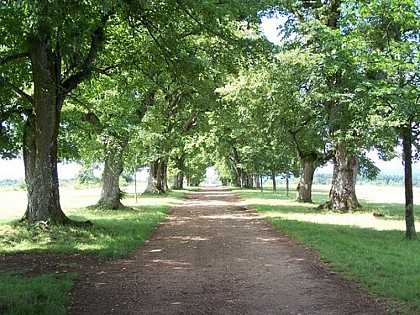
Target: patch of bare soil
29	264
211	256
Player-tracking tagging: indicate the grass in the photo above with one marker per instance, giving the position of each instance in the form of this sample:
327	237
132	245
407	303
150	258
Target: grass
44	294
114	234
382	262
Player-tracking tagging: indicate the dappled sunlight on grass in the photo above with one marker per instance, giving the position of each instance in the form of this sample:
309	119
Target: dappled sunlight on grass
13	203
362	220
271	202
147	200
114	232
361	246
278	205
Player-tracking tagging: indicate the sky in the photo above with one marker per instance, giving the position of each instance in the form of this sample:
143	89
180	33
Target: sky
269	28
14	169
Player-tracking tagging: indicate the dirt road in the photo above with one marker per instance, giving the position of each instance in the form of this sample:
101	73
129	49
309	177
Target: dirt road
212	257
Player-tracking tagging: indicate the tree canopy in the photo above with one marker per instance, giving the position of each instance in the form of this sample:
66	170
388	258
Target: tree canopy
179	85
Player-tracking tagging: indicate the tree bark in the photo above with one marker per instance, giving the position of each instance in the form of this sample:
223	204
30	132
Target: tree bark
178	180
111	194
273	178
410	231
40	136
237	181
256	181
343	190
157	175
247	180
304	189
42	126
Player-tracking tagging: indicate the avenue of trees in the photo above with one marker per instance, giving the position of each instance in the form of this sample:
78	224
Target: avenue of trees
179	85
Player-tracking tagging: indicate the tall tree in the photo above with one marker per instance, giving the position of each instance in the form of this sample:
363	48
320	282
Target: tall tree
388	33
318	26
53	47
50	47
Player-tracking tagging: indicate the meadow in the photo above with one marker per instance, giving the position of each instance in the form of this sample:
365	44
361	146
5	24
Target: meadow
114	234
370	250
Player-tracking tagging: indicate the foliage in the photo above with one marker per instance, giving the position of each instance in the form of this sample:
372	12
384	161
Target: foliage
86	176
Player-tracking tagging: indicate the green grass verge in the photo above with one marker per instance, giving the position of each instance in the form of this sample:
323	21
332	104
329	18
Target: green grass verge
114	234
44	294
383	263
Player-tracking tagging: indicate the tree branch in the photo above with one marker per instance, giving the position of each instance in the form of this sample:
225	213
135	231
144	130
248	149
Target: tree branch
150	77
13	57
98	37
190	122
17	90
4	115
203	26
147	24
296	142
106	70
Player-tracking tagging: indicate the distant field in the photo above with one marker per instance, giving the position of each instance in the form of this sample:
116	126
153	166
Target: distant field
389	201
13	203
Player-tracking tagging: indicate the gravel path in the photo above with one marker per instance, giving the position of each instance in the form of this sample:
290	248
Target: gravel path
213	257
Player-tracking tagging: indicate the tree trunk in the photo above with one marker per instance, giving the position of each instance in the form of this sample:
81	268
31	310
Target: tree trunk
256	181
244	182
410	231
247	180
287	184
157	173
178	181
343	190
114	163
40	137
304	189
237	180
273	177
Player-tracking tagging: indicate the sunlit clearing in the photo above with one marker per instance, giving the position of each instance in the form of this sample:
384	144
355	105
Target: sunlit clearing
363	220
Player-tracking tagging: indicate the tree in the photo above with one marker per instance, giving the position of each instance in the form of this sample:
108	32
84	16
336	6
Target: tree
53	47
389	52
188	88
319	27
50	47
110	122
274	96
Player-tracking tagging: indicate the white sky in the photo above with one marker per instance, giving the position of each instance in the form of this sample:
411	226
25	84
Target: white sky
269	28
13	169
